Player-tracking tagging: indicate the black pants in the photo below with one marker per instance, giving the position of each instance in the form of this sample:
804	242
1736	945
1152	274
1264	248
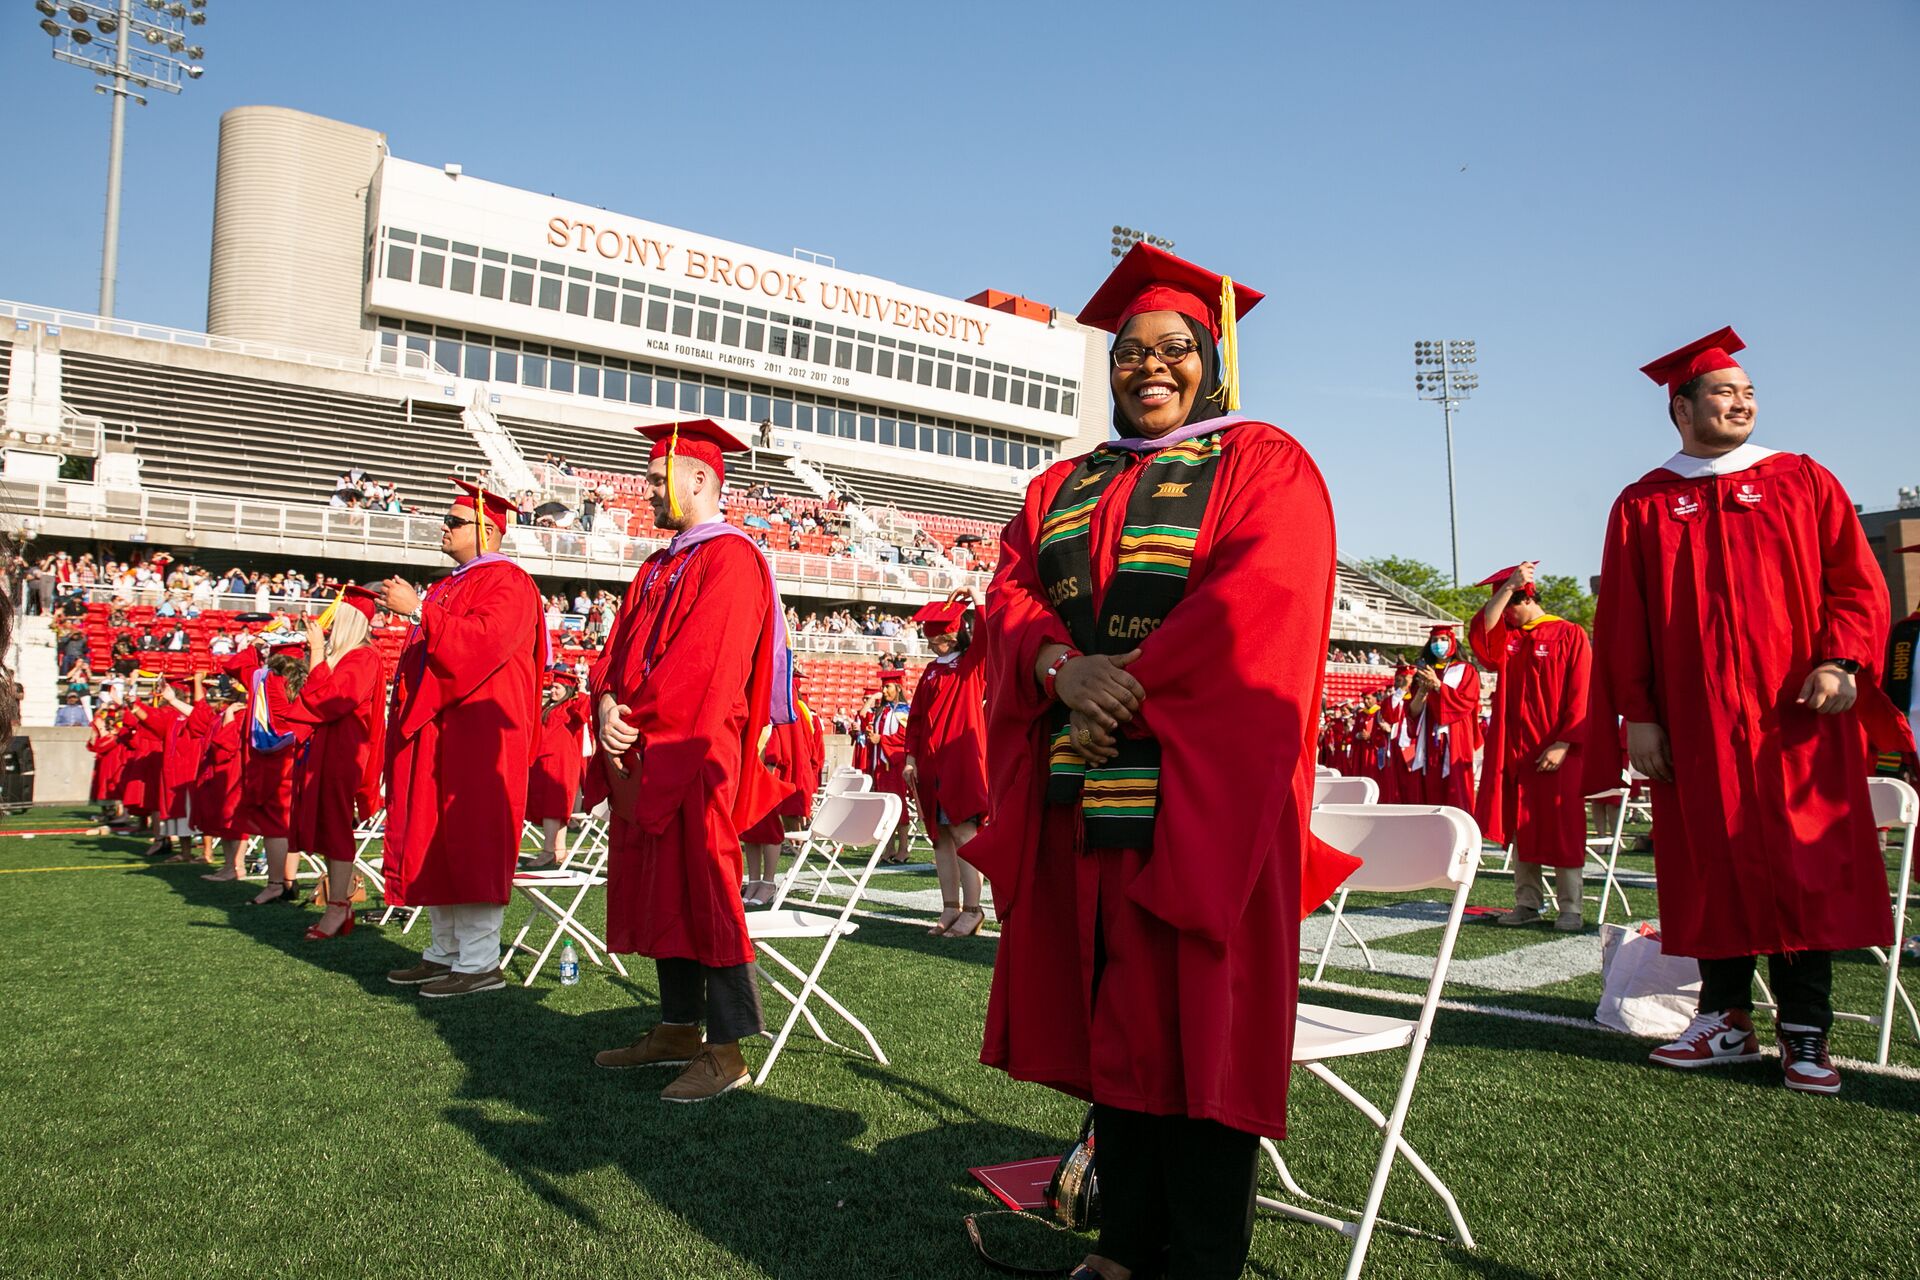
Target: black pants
727	1000
1174	1188
1802	986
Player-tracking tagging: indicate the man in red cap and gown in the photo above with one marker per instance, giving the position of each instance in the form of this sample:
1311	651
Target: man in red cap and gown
1156	648
553	784
696	668
1440	732
1740	623
1902	689
1531	791
462	731
946	757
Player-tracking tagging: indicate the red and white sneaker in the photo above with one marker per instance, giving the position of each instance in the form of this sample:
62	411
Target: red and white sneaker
1711	1040
1804	1060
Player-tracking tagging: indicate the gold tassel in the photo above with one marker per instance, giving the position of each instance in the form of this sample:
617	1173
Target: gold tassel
1229	349
480	516
673	493
326	615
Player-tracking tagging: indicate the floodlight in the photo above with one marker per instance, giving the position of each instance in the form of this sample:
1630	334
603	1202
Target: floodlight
51	27
49	8
82	36
195	71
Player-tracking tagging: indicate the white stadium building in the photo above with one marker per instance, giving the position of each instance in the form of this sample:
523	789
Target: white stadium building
415	321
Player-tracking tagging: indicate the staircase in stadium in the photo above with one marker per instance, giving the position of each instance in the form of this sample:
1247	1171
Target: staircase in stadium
511	471
874	526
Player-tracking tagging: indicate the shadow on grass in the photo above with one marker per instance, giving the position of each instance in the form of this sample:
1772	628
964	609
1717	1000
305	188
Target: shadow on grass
787	1185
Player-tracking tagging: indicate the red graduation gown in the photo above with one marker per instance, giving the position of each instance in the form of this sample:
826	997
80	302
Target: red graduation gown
266	777
1195	1007
155	733
1450	723
109	762
889	731
806	755
340	726
691	656
1717	596
216	786
462	729
139	768
1541	699
947	738
554	782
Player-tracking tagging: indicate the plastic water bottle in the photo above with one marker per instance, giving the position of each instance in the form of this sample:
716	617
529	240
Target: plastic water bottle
569	965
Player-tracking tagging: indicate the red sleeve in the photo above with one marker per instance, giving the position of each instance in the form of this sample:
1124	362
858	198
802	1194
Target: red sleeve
334	691
241	665
465	649
576	714
915	740
1853	590
1570	726
1489	641
1451	705
1232	681
1622	633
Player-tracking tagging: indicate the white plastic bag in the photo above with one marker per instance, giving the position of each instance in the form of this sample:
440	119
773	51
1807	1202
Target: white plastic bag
1643	990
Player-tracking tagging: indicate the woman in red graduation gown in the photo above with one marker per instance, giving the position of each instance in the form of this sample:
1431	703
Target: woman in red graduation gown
109	760
153	725
216	790
553	784
266	758
946	764
793	753
1443	723
889	734
1157	638
340	726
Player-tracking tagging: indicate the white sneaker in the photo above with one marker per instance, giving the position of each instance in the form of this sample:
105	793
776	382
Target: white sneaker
1711	1040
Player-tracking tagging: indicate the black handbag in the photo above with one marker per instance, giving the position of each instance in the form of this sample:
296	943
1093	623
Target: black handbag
1073	1194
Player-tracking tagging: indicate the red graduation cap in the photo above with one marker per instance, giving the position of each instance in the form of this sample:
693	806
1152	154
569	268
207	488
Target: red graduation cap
499	510
1442	629
889	676
1150	279
1499	577
701	439
941	616
1677	368
560	674
358	597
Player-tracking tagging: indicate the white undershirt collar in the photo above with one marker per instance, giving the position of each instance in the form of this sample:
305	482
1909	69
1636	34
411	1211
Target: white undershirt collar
1733	462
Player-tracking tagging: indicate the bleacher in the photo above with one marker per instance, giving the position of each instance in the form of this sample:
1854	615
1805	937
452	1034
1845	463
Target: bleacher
624	454
913	494
1350	686
277	441
838	682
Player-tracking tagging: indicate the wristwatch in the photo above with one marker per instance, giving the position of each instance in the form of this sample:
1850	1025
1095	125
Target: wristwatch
1847	665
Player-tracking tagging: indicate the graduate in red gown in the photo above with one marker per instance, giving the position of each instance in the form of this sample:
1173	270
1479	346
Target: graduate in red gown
793	754
155	723
186	741
339	725
1442	724
109	760
946	756
1531	790
1897	679
1151	706
216	790
553	785
463	727
1740	625
888	733
267	755
696	668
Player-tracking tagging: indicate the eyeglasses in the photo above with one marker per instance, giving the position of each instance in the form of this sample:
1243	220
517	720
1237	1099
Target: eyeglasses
454	522
1131	355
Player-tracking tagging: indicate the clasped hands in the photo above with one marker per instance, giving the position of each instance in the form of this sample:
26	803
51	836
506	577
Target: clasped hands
614	732
1099	695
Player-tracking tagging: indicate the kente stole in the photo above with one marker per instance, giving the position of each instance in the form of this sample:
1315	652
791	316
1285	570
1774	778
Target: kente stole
1119	798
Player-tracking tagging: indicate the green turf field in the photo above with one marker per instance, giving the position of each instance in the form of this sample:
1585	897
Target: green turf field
189	1089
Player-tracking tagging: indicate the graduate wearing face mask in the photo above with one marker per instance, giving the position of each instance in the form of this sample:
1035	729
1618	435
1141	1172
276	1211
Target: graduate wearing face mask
1443	723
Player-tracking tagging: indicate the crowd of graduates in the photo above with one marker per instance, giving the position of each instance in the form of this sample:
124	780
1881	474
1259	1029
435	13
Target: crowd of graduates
1121	737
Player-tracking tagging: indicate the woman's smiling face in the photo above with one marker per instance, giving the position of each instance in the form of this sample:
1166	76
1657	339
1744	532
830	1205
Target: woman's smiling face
1156	393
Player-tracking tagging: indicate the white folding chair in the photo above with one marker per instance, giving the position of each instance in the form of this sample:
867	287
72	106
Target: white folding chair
540	889
842	782
1332	788
1325	771
1629	801
1895	806
1404	849
850	819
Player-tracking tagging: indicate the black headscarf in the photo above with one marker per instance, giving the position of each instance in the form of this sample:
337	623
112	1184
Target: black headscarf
1206	404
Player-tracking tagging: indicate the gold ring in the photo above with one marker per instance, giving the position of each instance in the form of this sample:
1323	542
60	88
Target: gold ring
1086	735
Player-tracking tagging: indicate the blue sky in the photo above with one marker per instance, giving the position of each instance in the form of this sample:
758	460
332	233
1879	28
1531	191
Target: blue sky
1576	187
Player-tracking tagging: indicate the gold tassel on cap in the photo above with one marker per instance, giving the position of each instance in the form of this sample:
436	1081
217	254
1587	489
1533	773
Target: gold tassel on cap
1229	349
673	493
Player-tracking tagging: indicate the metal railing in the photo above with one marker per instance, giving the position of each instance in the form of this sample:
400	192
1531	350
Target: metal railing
23	311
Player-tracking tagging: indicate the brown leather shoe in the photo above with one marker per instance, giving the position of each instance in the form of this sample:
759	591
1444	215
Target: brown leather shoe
715	1070
665	1045
425	971
464	984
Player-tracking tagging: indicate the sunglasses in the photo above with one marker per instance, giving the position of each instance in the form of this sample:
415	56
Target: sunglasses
454	522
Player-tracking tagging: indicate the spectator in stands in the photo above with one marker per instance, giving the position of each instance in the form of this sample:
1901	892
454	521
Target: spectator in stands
580	601
523	508
70	712
40	587
589	508
220	644
766	433
73	649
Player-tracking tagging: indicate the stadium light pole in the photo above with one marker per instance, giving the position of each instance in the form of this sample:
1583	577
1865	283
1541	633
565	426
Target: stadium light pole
1124	238
1441	371
162	24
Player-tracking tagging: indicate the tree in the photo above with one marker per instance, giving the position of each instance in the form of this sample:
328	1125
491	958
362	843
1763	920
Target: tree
1560	594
